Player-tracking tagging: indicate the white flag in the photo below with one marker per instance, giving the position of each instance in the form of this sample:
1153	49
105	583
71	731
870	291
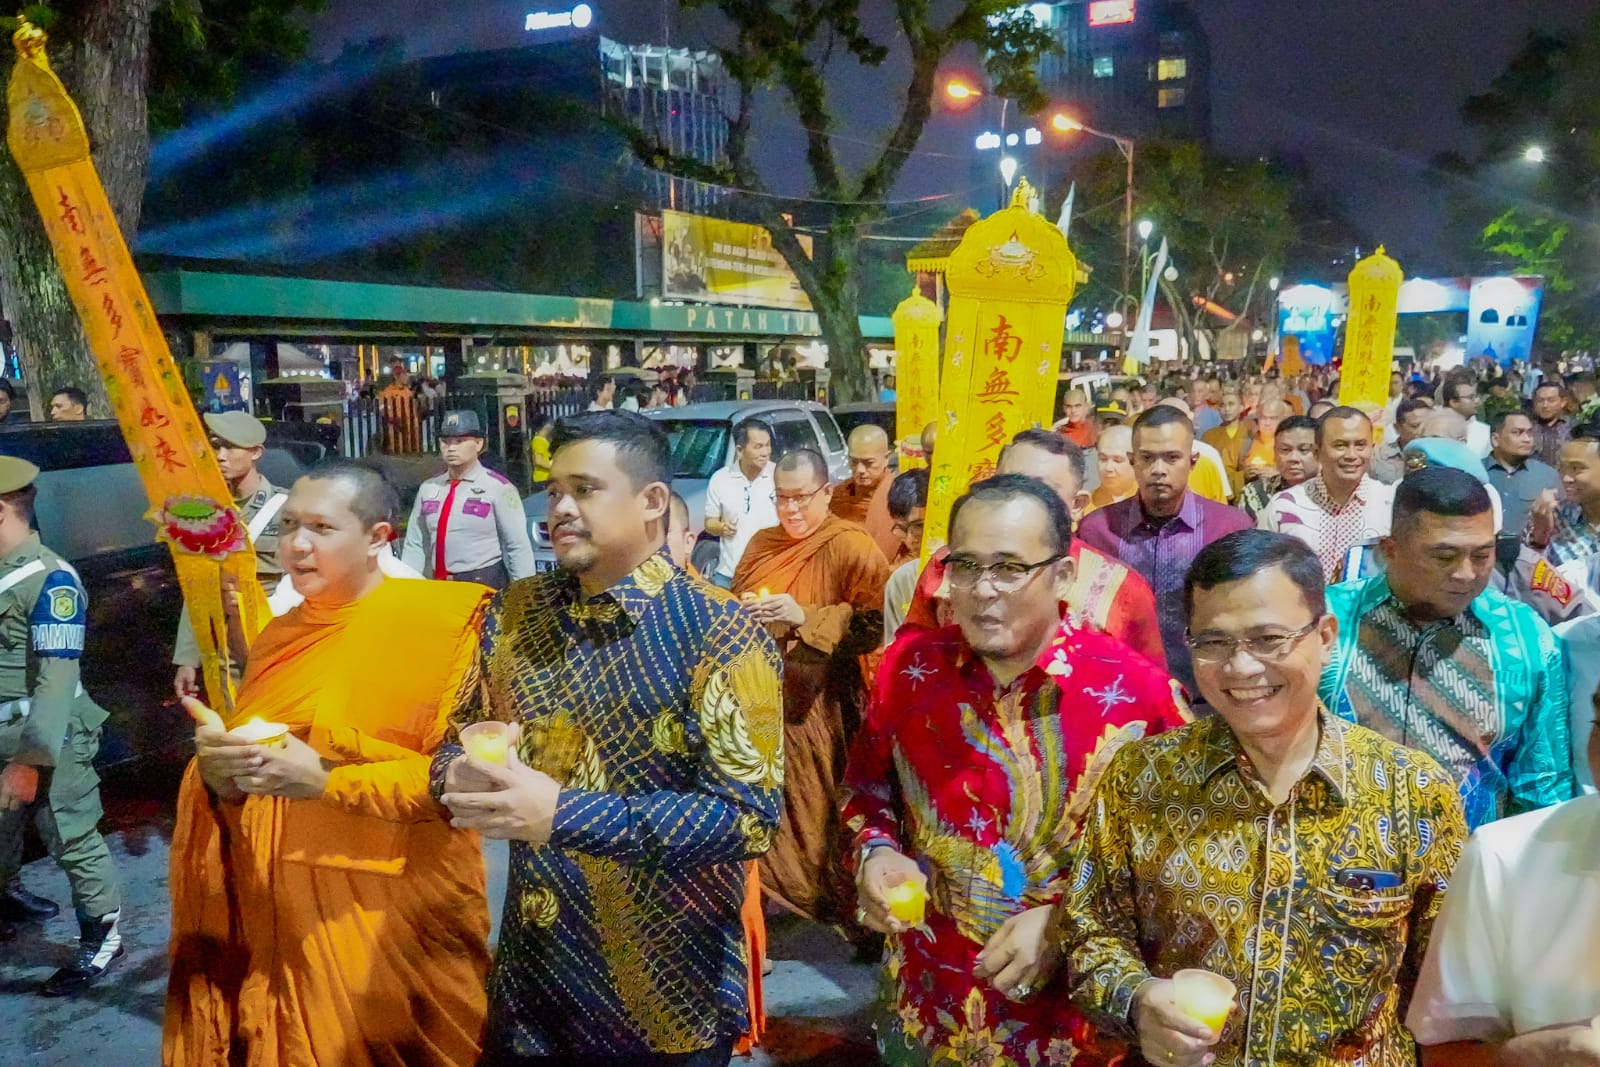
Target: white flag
1064	223
1139	347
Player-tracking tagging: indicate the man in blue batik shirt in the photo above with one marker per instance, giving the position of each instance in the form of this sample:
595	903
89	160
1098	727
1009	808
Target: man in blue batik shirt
1430	657
649	766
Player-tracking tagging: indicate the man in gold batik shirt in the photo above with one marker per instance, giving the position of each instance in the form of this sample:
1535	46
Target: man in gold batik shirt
1299	856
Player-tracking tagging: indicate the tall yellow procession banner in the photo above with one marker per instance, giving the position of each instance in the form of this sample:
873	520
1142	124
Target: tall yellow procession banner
1010	281
916	374
191	506
1369	332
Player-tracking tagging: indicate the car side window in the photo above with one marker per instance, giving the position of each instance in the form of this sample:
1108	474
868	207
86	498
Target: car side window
831	437
791	431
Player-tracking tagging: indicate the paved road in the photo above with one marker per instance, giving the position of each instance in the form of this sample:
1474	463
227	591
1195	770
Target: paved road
819	1000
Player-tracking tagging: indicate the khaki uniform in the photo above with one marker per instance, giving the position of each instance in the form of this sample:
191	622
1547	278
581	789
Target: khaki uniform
260	514
47	721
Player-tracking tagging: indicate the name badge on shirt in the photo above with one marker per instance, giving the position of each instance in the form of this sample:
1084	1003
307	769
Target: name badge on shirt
430	507
477	508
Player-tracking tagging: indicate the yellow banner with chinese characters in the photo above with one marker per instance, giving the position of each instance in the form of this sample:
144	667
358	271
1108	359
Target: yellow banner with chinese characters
1010	280
916	374
190	503
1369	332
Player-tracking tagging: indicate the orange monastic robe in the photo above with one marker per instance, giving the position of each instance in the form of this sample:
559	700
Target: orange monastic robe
837	574
871	510
350	930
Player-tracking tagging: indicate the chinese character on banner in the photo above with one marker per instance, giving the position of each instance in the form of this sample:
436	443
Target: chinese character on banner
69	212
1002	343
997	388
1369	334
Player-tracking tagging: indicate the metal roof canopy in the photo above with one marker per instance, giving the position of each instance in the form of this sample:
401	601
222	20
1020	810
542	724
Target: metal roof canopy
360	309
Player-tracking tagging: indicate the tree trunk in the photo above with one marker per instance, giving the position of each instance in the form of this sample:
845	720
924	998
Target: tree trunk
103	57
839	315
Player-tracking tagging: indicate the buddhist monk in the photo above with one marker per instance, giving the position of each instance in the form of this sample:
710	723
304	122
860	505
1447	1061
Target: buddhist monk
1116	468
324	912
816	581
865	497
930	437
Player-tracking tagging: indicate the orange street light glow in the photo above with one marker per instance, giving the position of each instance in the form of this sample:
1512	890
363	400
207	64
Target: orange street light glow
1065	123
960	91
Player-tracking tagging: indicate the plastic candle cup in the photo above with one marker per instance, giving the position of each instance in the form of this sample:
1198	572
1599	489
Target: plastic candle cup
1204	997
765	592
487	741
908	902
266	734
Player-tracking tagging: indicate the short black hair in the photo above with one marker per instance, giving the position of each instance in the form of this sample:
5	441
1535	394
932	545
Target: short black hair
1438	491
5	387
1057	445
1588	430
643	450
741	430
1005	487
1246	552
1548	384
72	393
1163	415
1345	412
1497	420
805	458
23	500
597	385
907	492
1406	407
375	499
1297	422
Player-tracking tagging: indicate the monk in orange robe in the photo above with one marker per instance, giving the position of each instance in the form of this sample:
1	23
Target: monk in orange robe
323	910
817	582
864	498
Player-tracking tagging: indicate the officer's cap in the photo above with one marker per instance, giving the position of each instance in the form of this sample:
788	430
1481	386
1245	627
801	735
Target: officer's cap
1444	452
461	424
238	428
16	474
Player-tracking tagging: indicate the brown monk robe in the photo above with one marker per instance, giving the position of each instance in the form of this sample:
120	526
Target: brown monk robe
823	582
865	497
323	910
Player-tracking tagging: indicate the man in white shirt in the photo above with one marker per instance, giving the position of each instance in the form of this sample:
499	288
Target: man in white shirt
1343	506
1460	395
740	497
1512	975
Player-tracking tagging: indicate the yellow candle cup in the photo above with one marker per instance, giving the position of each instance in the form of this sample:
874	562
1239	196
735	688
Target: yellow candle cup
260	732
487	741
908	902
1204	997
765	592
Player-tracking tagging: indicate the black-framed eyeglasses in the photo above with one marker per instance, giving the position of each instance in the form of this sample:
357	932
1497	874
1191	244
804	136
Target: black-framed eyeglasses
904	528
798	500
1266	648
1005	577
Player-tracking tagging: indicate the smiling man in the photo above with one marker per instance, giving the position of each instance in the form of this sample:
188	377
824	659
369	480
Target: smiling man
1298	856
1431	657
816	583
323	911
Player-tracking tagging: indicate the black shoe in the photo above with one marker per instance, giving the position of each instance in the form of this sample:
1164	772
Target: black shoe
17	905
99	945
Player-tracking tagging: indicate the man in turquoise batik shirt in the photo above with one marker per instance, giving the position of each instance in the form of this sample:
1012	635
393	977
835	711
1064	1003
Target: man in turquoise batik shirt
1430	657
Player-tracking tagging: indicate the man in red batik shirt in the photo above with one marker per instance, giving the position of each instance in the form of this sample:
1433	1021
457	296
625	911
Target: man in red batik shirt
972	772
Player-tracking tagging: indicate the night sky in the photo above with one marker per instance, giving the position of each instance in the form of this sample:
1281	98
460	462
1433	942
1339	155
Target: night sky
1366	90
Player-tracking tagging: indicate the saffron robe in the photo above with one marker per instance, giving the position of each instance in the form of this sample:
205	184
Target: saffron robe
837	574
348	930
871	511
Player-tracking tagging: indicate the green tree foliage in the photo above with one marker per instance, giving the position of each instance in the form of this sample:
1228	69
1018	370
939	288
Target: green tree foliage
793	48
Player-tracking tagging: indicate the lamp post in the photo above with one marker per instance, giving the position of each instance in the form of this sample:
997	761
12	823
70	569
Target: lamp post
962	91
1067	124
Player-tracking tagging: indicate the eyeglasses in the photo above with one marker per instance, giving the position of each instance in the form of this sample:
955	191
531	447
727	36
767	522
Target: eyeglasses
1007	577
1265	648
798	500
904	528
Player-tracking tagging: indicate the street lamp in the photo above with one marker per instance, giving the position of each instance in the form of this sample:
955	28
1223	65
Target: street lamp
960	90
1065	123
1008	170
1534	154
1146	228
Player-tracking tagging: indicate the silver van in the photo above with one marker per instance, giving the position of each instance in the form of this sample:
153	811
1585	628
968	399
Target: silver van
702	442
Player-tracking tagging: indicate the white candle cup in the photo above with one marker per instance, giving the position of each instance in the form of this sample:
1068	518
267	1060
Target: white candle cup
1204	997
487	741
265	734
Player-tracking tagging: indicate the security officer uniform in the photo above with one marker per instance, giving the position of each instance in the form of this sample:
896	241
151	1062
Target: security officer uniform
48	722
259	511
485	532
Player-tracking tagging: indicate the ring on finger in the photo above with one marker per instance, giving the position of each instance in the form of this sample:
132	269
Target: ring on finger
1023	991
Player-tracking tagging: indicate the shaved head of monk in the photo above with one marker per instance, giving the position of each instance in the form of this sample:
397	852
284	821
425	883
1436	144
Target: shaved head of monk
930	437
869	455
800	481
336	522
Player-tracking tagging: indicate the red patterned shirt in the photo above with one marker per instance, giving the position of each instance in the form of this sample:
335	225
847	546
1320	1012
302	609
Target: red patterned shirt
986	788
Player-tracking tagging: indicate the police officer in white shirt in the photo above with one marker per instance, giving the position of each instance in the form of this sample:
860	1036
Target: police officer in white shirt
467	524
740	499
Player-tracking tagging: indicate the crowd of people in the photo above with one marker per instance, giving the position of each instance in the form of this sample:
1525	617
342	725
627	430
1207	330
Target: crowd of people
1231	725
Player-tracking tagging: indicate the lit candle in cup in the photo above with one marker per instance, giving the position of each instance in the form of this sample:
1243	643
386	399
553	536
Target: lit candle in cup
765	592
487	741
260	732
1204	997
908	902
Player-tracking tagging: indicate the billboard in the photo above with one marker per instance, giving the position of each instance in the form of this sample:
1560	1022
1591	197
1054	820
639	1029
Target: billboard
1111	12
714	261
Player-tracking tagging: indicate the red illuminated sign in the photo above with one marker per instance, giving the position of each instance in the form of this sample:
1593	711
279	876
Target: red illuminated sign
1111	12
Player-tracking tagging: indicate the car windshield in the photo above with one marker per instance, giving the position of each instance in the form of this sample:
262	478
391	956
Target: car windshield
699	446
